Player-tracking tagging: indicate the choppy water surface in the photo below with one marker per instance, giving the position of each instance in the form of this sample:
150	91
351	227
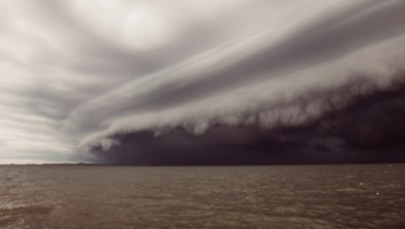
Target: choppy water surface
330	196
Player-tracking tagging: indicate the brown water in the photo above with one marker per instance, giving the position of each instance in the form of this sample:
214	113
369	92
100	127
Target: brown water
330	196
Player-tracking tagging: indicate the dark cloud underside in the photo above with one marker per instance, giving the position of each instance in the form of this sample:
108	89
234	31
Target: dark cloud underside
370	129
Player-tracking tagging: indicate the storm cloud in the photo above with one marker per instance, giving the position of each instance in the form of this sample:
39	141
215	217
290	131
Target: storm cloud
192	82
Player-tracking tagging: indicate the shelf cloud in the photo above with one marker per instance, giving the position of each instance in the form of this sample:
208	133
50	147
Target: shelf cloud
191	82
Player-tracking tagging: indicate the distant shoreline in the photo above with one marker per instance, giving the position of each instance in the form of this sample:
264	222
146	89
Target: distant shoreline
201	165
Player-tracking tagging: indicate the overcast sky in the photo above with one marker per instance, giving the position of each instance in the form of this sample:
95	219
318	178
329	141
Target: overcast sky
78	76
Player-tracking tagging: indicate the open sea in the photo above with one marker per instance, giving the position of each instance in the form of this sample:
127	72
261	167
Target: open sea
312	196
